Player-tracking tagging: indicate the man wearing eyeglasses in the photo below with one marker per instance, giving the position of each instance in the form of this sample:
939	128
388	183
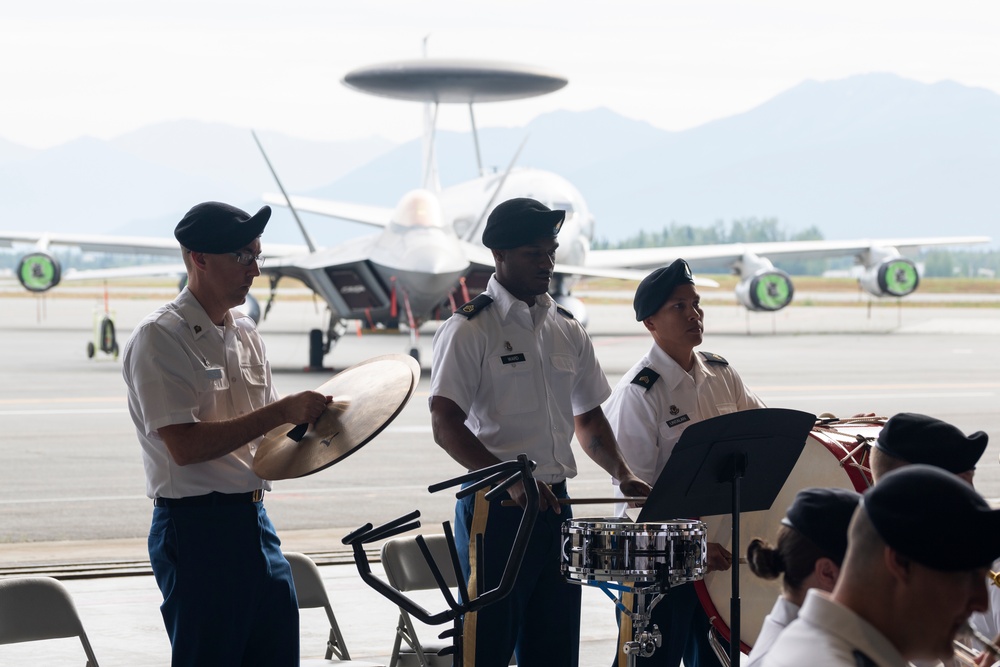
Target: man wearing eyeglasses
201	397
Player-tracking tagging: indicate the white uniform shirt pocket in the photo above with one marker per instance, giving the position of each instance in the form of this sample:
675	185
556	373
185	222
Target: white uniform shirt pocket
514	383
726	408
255	377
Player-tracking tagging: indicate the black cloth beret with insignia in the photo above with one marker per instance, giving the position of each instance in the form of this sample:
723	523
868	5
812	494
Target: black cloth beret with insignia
656	288
917	438
521	221
909	503
216	228
822	515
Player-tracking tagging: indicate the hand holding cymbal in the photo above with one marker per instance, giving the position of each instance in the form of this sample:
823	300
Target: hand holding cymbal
368	396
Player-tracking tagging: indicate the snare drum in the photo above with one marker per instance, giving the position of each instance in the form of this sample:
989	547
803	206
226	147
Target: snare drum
613	549
835	455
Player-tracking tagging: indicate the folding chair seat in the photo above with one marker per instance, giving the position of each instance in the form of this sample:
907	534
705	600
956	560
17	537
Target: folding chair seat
311	593
406	570
37	608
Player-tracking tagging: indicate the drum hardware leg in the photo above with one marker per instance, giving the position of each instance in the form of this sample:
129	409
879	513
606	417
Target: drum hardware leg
713	641
606	589
645	640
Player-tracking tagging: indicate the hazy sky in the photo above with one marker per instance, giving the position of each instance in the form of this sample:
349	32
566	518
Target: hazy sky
102	68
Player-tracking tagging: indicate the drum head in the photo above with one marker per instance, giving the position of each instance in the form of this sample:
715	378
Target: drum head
818	466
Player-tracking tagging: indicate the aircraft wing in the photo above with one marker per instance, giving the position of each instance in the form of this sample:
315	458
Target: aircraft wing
702	255
139	245
482	257
134	245
376	216
137	271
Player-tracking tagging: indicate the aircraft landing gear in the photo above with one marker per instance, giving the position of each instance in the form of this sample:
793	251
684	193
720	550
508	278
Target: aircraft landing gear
106	339
104	331
415	353
319	348
316	350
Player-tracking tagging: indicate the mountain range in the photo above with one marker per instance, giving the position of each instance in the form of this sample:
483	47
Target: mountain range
870	155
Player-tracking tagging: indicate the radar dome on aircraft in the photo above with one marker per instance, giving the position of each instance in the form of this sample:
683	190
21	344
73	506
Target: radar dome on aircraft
453	81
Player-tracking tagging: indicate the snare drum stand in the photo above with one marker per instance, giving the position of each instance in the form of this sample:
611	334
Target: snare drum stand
644	641
500	477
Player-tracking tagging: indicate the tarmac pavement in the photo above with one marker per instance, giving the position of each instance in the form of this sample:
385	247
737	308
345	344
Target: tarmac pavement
72	502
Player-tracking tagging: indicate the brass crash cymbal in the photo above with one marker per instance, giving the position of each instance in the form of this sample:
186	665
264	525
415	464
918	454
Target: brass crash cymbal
366	398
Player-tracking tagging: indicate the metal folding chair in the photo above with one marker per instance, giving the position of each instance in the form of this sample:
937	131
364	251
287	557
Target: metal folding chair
311	593
406	570
37	608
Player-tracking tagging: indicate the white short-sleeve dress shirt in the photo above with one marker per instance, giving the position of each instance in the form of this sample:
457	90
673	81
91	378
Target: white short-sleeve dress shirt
649	417
828	634
520	375
782	614
179	368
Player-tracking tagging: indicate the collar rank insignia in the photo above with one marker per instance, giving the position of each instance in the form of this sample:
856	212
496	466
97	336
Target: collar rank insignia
674	410
197	328
646	378
713	358
474	307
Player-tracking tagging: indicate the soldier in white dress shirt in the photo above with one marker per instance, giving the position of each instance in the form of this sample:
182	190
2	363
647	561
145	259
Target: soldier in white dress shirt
667	390
909	438
919	547
810	548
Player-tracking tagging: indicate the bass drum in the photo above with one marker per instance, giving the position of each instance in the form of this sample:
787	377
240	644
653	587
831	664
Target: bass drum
835	455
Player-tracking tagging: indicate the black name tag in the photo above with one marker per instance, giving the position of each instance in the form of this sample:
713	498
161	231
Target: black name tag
678	420
512	358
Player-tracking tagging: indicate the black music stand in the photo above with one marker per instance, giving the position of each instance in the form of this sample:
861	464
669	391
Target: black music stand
726	465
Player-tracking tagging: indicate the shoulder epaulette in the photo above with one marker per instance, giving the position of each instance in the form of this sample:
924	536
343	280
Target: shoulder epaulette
713	358
476	306
565	312
646	378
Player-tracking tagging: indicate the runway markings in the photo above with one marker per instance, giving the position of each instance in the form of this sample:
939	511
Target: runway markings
790	398
50	412
875	387
46	400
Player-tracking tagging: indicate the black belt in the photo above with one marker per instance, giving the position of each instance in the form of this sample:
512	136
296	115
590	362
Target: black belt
209	499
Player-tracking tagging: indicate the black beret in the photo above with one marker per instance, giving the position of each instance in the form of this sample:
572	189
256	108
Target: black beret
934	518
521	221
656	288
921	439
823	515
215	228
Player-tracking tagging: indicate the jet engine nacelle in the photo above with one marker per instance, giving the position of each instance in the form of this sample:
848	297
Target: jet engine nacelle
889	274
39	272
761	286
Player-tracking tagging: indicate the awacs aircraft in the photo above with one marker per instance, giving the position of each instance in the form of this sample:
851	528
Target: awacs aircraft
427	258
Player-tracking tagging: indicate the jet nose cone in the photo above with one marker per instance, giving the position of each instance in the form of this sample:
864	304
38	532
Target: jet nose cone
418	209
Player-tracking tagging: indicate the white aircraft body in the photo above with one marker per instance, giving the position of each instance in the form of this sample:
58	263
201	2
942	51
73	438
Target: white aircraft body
427	258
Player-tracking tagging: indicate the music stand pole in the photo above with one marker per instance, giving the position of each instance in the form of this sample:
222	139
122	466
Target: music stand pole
739	469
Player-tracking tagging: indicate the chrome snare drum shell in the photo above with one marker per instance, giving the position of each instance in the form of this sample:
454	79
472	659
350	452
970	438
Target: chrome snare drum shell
619	550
